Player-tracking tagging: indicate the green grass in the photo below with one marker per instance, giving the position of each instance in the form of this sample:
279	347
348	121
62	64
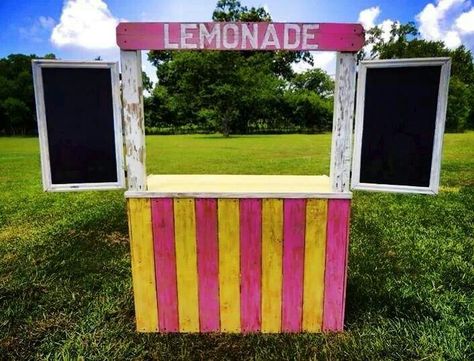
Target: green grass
65	283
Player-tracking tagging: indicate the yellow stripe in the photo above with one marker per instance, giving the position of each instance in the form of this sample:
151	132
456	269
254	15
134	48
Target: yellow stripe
314	264
229	264
143	265
186	265
272	238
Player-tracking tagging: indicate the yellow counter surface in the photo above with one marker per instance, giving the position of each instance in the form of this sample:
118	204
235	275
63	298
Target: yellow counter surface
237	186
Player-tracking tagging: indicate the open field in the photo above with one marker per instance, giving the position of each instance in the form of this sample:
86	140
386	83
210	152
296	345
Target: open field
65	282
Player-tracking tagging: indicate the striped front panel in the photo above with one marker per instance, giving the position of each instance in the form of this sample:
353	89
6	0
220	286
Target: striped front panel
230	265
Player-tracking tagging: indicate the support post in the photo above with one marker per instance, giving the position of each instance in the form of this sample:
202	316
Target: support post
343	119
133	118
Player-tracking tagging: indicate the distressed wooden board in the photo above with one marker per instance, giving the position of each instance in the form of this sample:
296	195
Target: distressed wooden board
250	264
165	264
272	249
336	264
293	264
229	264
143	267
208	264
344	98
240	36
238	182
133	119
314	264
186	264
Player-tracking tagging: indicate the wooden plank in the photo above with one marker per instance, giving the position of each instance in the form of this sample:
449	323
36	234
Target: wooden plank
272	249
208	264
314	264
250	264
238	195
336	264
186	265
133	118
143	268
293	264
344	98
165	264
240	36
229	264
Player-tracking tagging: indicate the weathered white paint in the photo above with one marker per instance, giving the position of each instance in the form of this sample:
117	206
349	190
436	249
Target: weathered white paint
48	186
433	188
133	119
344	96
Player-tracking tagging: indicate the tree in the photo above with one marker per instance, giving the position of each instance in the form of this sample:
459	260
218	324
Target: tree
316	80
233	91
17	104
404	42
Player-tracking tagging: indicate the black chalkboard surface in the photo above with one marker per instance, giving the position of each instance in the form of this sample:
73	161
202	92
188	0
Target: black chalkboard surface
80	126
397	133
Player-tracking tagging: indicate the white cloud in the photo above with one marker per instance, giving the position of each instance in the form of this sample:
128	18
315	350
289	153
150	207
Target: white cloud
465	22
86	24
325	60
367	17
38	30
445	20
46	22
452	39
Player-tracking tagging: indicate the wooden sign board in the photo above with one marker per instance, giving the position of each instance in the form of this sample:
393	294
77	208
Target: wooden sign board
240	36
79	125
400	117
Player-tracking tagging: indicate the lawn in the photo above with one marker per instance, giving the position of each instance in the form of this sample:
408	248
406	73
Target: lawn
65	282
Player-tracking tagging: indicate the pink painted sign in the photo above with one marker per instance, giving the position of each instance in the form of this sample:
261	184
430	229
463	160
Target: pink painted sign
240	36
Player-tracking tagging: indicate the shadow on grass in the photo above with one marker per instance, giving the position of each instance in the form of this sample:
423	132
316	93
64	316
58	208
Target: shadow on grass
74	274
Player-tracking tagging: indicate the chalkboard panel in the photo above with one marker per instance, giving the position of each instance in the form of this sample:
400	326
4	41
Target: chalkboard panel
79	125
400	117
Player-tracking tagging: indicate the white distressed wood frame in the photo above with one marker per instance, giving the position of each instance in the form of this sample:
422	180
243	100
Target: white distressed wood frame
48	186
343	118
433	187
133	118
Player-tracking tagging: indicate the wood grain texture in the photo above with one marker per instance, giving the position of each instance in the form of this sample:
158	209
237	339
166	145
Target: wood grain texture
143	267
207	264
336	264
314	264
293	264
272	250
133	119
229	264
344	99
186	265
165	264
250	264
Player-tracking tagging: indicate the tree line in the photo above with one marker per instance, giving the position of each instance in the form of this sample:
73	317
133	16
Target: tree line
245	92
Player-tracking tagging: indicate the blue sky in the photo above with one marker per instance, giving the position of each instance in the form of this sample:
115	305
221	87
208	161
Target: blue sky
84	29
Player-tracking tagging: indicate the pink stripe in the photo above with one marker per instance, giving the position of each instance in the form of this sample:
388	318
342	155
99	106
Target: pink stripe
250	264
336	264
207	264
293	264
162	36
165	264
